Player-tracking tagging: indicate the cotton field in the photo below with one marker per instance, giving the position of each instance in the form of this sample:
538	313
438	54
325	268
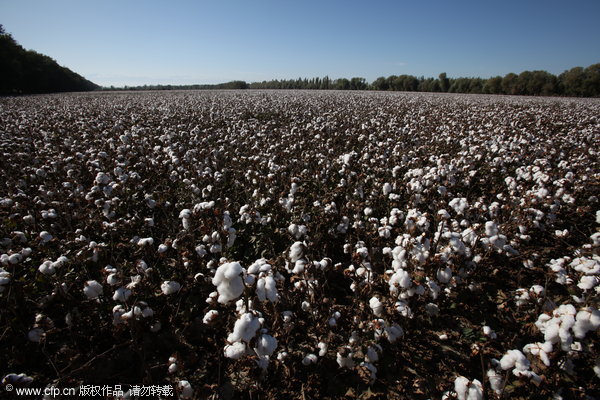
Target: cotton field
256	244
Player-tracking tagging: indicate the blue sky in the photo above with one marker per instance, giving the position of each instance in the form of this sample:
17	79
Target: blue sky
133	42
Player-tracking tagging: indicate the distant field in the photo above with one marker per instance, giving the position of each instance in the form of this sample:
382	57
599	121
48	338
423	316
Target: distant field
293	244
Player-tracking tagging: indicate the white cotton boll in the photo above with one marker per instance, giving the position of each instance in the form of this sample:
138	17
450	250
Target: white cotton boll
368	211
495	380
475	390
162	248
322	349
393	332
210	316
516	359
487	331
14	258
586	320
461	387
491	229
235	351
92	289
371	355
444	275
551	332
376	306
587	282
201	250
293	230
45	236
265	345
345	360
145	242
170	287
305	306
271	289
309	359
102	178
386	189
296	251
47	268
121	294
185	389
244	329
401	279
260	289
229	282
299	267
443	214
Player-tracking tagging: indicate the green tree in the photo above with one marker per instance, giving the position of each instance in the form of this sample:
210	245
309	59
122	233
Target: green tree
444	82
493	85
380	83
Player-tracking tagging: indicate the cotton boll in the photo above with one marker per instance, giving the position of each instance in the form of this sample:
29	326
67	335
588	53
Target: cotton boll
444	275
461	387
516	359
92	289
185	389
376	305
19	380
185	216
143	242
393	332
586	320
229	282
271	289
299	267
475	390
309	359
235	350
14	258
45	237
495	380
344	358
121	294
491	229
170	287
371	355
47	268
296	251
587	282
265	345
162	248
244	329
487	331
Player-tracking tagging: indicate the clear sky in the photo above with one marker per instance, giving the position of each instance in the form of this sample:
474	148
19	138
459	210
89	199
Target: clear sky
134	42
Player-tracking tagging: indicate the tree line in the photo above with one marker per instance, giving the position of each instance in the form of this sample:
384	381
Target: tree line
578	81
26	71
